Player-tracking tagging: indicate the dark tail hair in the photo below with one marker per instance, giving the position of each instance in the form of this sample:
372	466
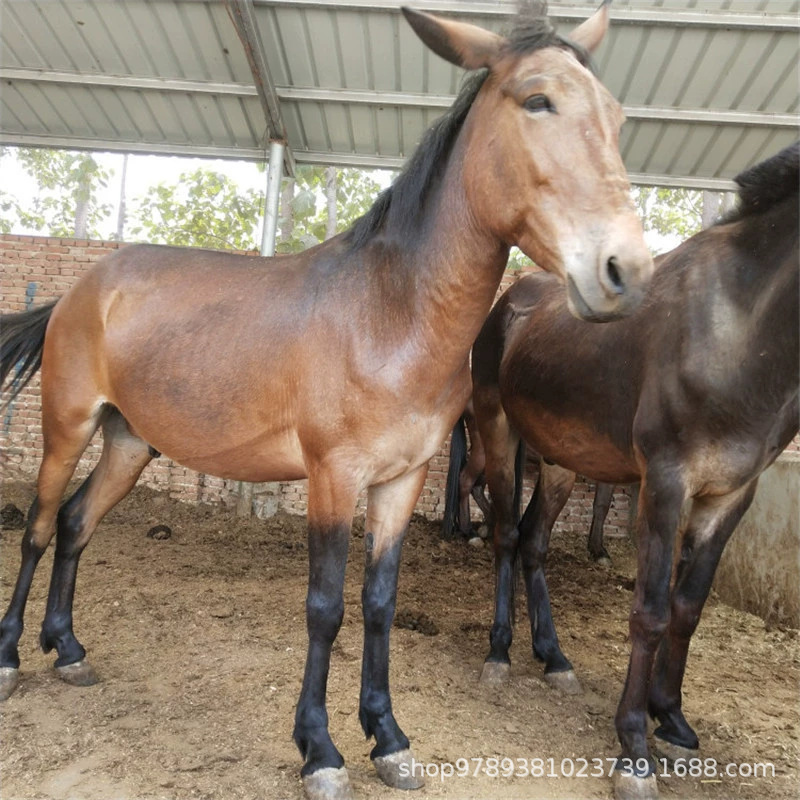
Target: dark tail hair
21	344
452	498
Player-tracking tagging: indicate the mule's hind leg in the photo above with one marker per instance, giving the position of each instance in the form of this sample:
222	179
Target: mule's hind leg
63	446
389	509
603	493
551	494
122	461
711	523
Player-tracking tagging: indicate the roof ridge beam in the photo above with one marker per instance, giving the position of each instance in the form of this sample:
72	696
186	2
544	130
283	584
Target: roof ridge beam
718	18
371	97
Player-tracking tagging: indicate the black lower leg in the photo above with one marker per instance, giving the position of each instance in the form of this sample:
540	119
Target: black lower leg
543	630
378	600
602	503
324	612
711	524
501	634
57	625
534	533
11	625
664	700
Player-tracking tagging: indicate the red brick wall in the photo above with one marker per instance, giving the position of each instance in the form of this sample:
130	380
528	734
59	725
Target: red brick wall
37	269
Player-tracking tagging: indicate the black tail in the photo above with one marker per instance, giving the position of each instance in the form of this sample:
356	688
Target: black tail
452	492
21	344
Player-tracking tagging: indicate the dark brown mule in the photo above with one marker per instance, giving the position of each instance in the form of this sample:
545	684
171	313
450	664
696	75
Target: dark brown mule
346	364
466	478
695	394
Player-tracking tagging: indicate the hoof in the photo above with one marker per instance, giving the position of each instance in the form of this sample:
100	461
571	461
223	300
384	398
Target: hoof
674	752
565	681
80	673
603	561
495	673
395	770
629	787
9	678
330	783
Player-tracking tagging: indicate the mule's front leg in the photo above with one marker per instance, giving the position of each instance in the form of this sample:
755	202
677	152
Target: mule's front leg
659	513
712	521
324	775
389	509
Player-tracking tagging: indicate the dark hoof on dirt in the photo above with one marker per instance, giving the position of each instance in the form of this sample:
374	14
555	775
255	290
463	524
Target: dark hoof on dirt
328	784
674	752
9	678
395	770
495	673
566	681
81	673
629	787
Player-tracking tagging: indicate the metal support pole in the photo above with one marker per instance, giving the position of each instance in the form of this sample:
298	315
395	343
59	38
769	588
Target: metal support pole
274	175
244	506
711	208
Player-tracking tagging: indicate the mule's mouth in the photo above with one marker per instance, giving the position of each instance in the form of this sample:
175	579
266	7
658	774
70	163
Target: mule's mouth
582	310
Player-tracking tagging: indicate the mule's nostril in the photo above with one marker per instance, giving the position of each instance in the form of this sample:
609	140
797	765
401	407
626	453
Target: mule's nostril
614	276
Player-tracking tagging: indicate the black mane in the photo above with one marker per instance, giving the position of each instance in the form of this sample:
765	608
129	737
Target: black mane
401	207
768	183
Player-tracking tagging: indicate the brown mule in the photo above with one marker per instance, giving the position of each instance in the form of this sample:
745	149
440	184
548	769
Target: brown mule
695	395
346	364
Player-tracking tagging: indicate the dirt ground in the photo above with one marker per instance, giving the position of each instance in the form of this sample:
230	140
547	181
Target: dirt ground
199	640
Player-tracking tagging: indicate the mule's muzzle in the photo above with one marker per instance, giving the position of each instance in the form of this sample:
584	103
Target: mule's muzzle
614	289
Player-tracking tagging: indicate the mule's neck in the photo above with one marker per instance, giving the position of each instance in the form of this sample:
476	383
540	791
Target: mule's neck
454	268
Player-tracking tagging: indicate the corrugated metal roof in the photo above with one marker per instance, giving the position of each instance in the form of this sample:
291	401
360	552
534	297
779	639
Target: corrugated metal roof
709	86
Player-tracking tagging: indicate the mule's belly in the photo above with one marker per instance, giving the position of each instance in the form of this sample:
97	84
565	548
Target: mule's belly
225	453
574	445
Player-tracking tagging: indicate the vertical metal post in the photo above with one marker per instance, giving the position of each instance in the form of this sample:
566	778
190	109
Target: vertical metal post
711	208
244	506
274	175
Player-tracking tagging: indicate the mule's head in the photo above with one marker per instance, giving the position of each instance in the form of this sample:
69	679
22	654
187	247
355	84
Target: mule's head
542	168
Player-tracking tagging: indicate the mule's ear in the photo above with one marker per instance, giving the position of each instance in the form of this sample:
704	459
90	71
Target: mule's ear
590	33
460	43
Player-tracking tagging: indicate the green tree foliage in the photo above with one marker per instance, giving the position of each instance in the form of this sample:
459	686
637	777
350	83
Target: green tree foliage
355	193
518	261
669	212
203	209
66	202
208	209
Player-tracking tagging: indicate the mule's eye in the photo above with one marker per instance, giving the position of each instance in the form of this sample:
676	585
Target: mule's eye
538	102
